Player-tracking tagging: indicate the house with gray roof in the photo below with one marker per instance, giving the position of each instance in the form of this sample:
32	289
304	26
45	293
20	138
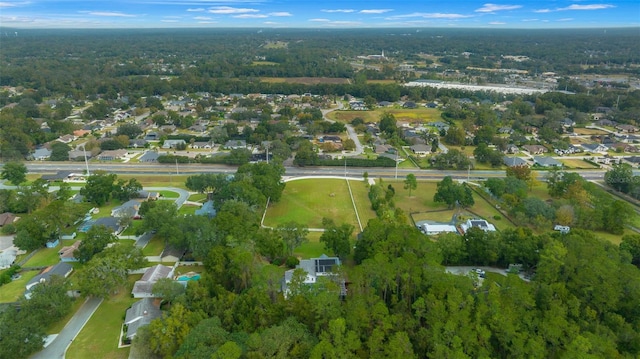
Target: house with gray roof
545	161
61	269
111	223
128	209
149	156
143	288
514	161
41	154
173	143
141	313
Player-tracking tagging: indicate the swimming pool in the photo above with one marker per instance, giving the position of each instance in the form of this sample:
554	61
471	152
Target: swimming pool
186	277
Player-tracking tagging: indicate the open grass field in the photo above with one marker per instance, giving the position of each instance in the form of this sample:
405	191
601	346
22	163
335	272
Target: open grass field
154	247
99	337
306	80
589	131
131	230
264	63
381	82
10	292
169	194
308	201
577	163
439	216
410	115
360	192
312	248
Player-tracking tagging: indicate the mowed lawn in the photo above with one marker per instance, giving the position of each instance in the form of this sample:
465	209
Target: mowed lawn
307	201
360	192
10	292
99	337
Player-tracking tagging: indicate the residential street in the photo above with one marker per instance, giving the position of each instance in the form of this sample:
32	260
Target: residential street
58	347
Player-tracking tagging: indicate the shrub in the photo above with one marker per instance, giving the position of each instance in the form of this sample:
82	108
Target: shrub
497	217
292	262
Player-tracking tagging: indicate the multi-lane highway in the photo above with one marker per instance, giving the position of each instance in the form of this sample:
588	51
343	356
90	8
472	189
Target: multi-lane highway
172	169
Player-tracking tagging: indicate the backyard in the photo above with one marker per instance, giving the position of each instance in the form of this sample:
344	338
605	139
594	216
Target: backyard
411	115
99	337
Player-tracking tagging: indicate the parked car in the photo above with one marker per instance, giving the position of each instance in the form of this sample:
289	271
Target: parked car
479	272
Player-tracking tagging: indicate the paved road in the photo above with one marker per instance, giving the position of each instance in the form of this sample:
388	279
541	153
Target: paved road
189	169
58	347
464	270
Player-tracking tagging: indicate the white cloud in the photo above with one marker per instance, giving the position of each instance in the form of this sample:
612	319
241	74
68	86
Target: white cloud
250	16
230	10
196	10
202	18
107	13
542	11
566	19
207	22
168	20
280	13
12	4
435	15
319	20
497	23
375	11
496	7
530	20
271	23
338	10
586	7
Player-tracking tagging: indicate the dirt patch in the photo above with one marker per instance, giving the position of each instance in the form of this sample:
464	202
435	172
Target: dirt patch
306	80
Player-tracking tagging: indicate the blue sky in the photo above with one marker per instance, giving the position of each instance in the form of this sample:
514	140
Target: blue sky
317	14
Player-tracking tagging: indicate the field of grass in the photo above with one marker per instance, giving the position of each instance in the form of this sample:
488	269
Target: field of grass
131	230
308	201
438	216
169	194
47	256
99	337
312	248
382	82
306	80
360	192
412	115
589	131
577	163
188	209
198	197
10	292
154	247
264	63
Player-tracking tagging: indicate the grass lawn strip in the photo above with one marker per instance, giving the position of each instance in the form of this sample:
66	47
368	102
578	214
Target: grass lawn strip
99	337
10	292
308	201
47	256
360	192
154	247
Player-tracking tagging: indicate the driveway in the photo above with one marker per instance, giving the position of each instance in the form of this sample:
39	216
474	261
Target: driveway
464	270
183	194
58	347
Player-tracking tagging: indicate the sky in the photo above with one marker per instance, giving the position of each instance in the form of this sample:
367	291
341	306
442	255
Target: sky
318	14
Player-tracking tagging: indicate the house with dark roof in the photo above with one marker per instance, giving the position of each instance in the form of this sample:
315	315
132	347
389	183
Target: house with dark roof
149	156
140	313
128	209
112	155
61	269
111	223
514	161
421	150
138	143
235	144
143	288
173	143
545	161
409	104
595	148
41	154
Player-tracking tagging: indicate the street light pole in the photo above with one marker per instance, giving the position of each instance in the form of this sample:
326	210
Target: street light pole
86	163
396	163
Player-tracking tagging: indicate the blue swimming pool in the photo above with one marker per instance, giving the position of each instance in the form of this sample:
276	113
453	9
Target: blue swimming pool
184	277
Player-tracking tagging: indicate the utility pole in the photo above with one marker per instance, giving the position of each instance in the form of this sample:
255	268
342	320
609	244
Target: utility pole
345	166
86	163
177	173
396	163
